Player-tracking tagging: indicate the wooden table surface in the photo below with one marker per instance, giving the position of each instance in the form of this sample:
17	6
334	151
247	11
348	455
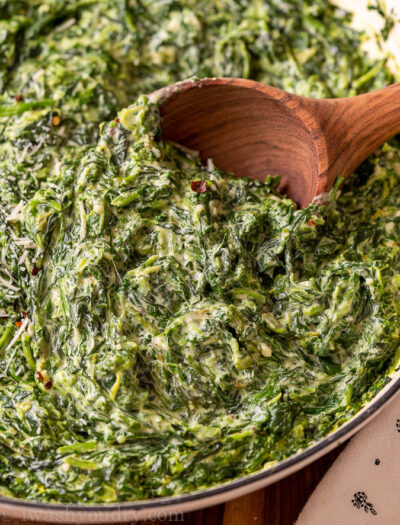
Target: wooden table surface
278	504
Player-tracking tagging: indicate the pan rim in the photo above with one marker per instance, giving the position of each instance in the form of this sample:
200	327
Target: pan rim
317	449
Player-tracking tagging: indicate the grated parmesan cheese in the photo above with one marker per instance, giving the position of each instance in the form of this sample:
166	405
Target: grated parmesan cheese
25	242
14	340
15	215
7	284
23	257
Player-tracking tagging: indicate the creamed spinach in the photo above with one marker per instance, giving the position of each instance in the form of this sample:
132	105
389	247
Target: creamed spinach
164	326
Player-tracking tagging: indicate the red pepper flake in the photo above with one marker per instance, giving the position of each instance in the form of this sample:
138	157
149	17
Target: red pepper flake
117	120
35	270
18	323
56	121
18	98
47	383
312	223
199	186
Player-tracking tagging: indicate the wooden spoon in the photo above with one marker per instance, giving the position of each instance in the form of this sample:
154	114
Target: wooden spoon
253	130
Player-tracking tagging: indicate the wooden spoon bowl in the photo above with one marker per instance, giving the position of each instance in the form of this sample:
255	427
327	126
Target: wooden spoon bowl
251	129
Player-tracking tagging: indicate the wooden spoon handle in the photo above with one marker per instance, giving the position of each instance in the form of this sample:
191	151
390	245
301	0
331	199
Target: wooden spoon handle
355	127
